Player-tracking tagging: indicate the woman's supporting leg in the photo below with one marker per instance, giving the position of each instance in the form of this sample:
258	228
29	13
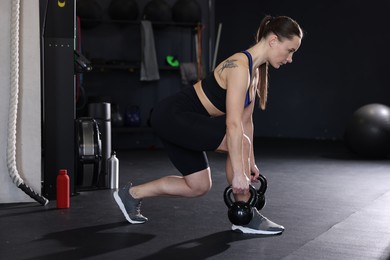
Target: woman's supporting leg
192	185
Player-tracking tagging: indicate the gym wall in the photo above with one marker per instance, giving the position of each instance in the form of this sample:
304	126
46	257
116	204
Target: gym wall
111	41
29	111
341	65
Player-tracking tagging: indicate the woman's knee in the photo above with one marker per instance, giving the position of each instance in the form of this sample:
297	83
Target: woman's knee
199	183
200	190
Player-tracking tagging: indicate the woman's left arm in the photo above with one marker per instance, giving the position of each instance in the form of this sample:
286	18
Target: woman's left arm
249	130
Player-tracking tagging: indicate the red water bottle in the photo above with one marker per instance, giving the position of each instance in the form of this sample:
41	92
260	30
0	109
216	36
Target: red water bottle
63	189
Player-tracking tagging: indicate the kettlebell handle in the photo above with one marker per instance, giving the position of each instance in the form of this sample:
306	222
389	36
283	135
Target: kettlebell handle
263	187
228	200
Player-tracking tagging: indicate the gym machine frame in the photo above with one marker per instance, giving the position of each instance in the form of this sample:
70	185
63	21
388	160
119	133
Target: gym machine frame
58	93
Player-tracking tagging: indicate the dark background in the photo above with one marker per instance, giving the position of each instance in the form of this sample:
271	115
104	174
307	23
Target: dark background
341	65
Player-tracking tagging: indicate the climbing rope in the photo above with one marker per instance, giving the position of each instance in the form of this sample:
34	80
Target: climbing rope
13	107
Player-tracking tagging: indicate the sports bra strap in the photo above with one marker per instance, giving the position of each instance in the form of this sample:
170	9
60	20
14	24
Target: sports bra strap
247	98
250	62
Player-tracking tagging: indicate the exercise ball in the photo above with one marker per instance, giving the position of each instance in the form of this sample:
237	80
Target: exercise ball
157	11
368	131
186	11
89	10
123	10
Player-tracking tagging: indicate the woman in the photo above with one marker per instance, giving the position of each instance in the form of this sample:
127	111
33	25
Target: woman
216	115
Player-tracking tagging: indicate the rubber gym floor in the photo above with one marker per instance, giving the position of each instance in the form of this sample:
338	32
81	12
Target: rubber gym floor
332	204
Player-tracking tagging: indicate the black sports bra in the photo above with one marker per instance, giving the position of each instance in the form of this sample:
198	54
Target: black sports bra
216	94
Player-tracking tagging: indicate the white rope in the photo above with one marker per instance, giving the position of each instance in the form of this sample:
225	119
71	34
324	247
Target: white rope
13	106
14	92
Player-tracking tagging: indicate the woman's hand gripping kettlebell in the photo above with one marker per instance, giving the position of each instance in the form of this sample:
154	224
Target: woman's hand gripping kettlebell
240	212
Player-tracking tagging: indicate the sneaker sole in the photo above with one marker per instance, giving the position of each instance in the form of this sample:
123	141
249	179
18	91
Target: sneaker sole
254	231
123	209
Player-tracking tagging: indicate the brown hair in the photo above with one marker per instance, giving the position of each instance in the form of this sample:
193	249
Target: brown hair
285	28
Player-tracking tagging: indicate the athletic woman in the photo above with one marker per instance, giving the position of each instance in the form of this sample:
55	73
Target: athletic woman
215	114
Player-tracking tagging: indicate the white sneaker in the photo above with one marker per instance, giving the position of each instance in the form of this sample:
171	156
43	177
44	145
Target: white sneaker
259	225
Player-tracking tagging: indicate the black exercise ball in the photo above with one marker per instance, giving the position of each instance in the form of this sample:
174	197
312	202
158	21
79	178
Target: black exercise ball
368	131
123	10
89	10
157	11
186	11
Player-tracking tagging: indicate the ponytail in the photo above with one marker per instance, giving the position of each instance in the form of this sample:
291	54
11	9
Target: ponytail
262	85
283	27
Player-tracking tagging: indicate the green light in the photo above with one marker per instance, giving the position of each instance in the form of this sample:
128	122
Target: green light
172	61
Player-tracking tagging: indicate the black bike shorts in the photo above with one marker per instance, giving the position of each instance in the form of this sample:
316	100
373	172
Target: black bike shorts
187	131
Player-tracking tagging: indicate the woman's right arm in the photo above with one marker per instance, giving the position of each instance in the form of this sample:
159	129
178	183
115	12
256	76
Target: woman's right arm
236	79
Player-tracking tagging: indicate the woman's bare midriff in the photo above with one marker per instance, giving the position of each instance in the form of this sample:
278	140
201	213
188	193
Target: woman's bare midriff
211	109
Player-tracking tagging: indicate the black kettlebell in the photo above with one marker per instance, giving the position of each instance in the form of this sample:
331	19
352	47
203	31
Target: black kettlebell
240	212
261	192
